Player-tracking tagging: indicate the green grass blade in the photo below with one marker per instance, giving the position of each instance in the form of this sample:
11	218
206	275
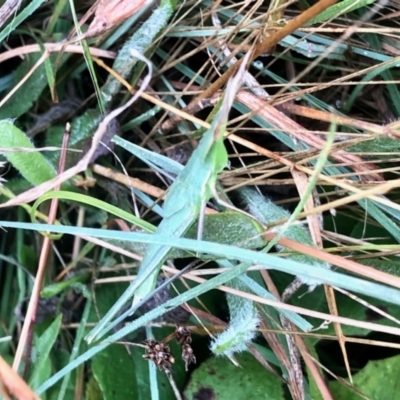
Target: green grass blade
220	250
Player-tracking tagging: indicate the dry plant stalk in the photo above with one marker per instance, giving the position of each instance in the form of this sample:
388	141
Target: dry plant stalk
265	46
12	386
9	8
281	121
25	341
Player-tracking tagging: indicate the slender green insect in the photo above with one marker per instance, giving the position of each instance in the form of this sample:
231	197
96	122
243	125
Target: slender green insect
194	186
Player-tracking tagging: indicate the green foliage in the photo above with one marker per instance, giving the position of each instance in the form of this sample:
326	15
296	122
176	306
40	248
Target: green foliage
219	378
93	391
31	164
82	130
268	212
343	7
377	380
26	95
227	227
57	288
43	345
242	325
122	373
185	201
186	48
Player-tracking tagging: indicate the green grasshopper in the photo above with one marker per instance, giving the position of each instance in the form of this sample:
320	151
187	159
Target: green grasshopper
187	197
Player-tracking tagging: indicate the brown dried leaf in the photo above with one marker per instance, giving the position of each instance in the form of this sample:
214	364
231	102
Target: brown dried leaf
113	12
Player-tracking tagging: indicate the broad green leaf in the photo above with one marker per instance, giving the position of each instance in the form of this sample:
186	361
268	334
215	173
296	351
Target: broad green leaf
30	164
43	344
121	375
268	212
342	7
29	92
218	378
82	129
378	380
93	391
60	358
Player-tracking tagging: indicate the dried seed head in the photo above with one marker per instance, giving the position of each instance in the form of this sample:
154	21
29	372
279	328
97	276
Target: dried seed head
159	353
188	356
182	335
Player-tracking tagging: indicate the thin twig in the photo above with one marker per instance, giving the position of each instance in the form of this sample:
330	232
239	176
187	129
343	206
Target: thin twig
25	341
